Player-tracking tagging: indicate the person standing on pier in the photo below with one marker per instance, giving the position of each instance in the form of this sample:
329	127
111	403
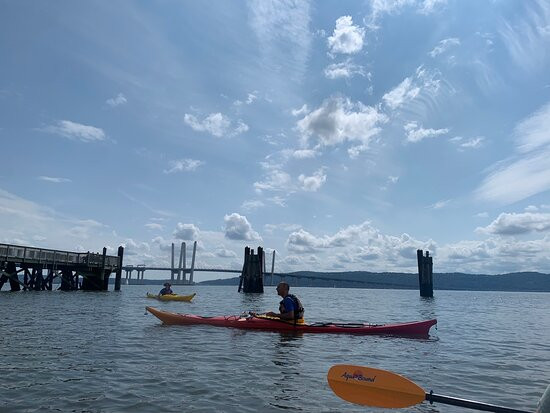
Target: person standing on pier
166	289
290	308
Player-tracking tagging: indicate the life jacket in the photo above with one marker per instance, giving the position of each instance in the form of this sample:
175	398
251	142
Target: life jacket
299	308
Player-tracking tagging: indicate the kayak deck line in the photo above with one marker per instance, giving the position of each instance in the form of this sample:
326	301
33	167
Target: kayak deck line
413	328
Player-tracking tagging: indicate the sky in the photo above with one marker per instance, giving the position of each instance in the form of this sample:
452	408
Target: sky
344	135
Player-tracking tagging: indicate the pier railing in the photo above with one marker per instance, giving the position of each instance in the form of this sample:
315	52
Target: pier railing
33	255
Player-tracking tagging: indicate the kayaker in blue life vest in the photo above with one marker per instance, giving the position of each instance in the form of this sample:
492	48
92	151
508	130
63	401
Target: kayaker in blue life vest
290	308
166	289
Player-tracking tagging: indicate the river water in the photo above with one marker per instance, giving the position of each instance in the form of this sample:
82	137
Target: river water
99	352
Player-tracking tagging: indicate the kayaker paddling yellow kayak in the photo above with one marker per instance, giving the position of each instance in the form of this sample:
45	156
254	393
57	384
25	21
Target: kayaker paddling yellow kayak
172	297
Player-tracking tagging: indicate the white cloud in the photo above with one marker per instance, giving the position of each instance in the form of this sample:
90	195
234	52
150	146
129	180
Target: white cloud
237	227
314	182
276	180
515	224
299	112
53	179
304	153
225	253
423	83
393	179
186	232
249	99
444	45
528	173
346	38
526	36
76	131
183	165
117	101
339	120
405	91
534	131
440	204
381	7
343	70
251	205
154	226
216	124
417	133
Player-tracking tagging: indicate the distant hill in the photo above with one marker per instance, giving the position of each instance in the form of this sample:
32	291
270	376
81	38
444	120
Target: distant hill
520	281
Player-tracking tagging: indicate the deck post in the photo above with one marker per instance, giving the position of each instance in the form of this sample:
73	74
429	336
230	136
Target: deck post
119	268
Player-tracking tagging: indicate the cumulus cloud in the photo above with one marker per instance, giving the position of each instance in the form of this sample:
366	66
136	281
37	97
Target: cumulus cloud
76	131
515	224
237	227
186	232
53	179
403	92
528	173
222	252
339	120
346	38
304	153
416	133
345	69
183	165
216	124
314	182
444	45
117	101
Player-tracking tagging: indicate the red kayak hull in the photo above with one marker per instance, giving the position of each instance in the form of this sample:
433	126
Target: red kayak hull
414	328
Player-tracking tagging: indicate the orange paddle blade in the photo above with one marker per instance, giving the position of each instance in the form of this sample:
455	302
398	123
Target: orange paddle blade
373	387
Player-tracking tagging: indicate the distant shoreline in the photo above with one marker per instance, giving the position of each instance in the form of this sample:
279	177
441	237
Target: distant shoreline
517	282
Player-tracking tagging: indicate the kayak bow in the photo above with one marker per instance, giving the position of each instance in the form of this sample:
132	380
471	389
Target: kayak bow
415	328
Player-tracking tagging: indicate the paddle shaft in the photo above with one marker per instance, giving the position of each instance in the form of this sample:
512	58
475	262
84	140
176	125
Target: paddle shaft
469	404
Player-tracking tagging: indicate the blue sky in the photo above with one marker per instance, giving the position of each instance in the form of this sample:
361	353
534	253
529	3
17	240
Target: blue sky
344	135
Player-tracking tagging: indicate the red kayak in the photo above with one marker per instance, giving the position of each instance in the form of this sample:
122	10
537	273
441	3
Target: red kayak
414	328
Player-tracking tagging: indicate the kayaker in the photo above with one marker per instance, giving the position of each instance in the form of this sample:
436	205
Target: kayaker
290	308
166	289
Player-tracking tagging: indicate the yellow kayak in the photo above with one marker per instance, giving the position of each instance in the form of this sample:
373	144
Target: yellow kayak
171	297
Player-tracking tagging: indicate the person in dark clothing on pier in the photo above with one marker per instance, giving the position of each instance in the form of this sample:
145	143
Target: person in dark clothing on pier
166	289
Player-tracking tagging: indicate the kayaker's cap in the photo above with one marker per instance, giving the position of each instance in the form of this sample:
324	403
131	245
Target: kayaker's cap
167	284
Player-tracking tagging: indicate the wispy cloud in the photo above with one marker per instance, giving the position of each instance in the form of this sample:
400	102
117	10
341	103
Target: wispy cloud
416	133
216	124
183	165
53	179
440	204
120	99
345	70
282	29
380	8
249	99
528	173
76	131
464	144
444	45
346	38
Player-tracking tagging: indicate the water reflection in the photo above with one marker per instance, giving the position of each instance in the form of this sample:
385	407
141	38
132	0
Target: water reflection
288	386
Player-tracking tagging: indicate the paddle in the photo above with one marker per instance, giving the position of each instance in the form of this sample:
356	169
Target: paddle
380	388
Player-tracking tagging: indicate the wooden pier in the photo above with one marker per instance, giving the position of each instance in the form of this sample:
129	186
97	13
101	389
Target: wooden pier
40	267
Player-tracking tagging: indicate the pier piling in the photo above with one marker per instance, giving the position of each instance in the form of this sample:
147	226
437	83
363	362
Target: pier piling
425	274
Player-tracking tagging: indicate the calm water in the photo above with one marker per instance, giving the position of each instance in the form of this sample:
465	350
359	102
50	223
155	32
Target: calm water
98	352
